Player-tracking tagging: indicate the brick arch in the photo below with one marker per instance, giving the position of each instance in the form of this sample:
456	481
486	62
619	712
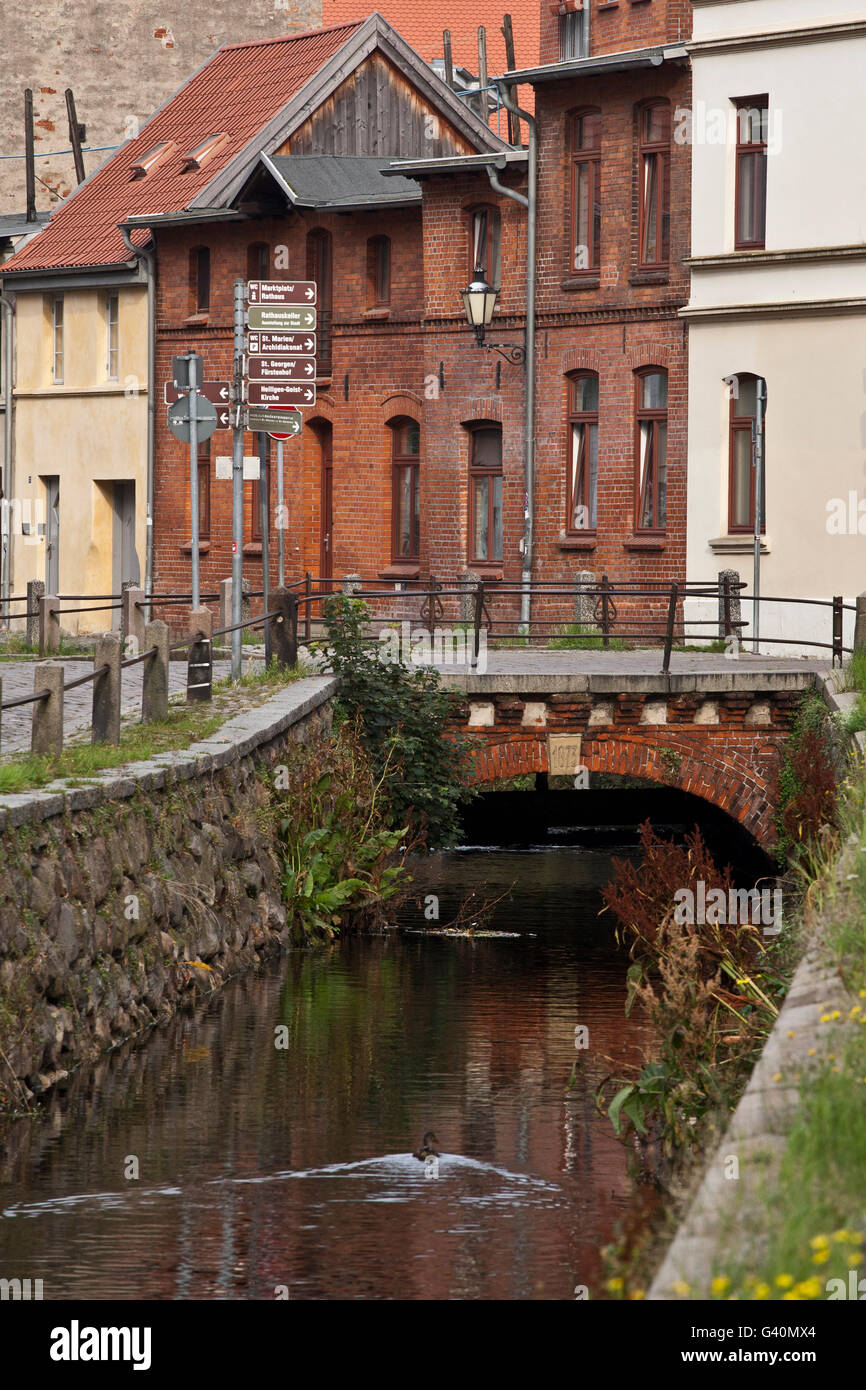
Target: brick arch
325	407
395	403
730	781
481	408
579	360
649	355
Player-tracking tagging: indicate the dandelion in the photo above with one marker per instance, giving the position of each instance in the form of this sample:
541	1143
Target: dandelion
820	1257
791	1296
778	1076
720	1285
810	1288
637	1293
818	1242
841	1235
681	1288
784	1281
614	1285
791	1033
812	1051
762	1291
855	1258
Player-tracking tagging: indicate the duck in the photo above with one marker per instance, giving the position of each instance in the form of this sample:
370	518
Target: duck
428	1147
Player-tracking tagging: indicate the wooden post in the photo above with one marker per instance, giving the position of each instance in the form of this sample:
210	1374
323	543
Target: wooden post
47	734
669	636
449	64
35	591
199	674
483	105
29	156
860	624
479	613
49	625
838	618
154	690
513	121
284	626
106	689
605	611
75	137
308	607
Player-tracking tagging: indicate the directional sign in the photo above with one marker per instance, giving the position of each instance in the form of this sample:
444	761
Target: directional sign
224	418
304	344
216	391
281	318
281	368
281	292
178	419
266	420
288	393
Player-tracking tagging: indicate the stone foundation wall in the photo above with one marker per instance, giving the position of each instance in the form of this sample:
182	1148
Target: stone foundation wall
119	899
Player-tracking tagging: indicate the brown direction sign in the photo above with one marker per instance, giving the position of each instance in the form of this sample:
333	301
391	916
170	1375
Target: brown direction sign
288	421
304	344
288	393
281	292
281	318
281	368
217	391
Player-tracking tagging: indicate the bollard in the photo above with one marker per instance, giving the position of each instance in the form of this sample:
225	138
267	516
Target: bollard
106	689
225	608
47	735
49	625
132	619
584	600
35	591
284	627
154	690
199	675
246	601
729	603
860	624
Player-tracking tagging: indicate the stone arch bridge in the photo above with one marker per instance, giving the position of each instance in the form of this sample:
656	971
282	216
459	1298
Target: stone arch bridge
714	731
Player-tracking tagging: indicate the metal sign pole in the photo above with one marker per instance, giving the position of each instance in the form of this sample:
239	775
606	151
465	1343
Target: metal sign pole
193	474
760	407
264	507
238	477
281	515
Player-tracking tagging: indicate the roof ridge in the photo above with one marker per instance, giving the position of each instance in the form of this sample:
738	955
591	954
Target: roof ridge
290	38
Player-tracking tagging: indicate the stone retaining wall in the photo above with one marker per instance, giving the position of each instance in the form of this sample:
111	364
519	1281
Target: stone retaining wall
157	879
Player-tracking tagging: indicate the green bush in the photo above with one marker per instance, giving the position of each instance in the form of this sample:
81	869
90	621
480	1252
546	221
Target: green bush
402	715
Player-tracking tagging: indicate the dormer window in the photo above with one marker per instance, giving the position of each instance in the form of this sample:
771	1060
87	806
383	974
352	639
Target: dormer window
198	157
148	162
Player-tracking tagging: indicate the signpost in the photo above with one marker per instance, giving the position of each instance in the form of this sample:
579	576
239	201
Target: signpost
302	344
191	417
281	318
281	292
217	391
281	368
264	419
281	393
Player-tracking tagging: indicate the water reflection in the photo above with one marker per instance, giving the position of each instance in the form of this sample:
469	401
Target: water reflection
262	1166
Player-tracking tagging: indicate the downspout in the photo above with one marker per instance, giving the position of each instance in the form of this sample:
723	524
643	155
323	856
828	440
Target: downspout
529	422
148	260
8	465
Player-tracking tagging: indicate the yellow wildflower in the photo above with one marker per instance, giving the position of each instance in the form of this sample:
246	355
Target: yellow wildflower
784	1281
637	1293
855	1258
820	1257
614	1285
762	1291
818	1242
681	1288
720	1285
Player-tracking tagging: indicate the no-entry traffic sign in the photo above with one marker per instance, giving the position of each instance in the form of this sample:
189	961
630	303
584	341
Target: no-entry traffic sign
281	368
281	292
281	394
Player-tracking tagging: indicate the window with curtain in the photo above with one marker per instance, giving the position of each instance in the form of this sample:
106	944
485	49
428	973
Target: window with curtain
485	233
585	190
751	199
485	494
582	452
406	491
204	491
655	154
258	260
378	272
199	279
741	469
652	446
320	269
573	34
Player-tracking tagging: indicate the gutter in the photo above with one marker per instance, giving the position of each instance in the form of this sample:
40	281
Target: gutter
530	203
148	260
8	462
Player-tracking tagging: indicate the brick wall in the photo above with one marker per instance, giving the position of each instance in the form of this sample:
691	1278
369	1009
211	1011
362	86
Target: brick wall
619	25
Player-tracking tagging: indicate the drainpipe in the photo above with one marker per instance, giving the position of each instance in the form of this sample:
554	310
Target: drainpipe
8	466
529	423
148	260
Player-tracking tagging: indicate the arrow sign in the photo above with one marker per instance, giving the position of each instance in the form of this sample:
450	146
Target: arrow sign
281	318
281	292
291	393
281	369
302	344
216	391
224	419
270	420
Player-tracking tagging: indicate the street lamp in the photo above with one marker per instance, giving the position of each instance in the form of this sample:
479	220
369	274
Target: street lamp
479	302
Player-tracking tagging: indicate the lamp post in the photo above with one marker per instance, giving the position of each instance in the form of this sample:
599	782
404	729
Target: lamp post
479	302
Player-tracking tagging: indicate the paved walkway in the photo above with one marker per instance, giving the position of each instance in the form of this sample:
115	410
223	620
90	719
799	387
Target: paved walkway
18	679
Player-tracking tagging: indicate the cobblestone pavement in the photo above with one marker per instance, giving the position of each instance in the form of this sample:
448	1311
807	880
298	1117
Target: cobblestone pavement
18	679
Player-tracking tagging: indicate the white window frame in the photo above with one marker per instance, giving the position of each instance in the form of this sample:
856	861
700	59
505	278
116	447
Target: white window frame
112	337
57	340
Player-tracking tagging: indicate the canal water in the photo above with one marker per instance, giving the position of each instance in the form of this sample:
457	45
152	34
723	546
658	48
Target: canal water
264	1168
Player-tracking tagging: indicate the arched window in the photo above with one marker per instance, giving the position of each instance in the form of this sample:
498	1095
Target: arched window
320	269
485	235
582	452
406	491
378	272
585	147
485	493
258	260
743	390
654	173
651	449
199	279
